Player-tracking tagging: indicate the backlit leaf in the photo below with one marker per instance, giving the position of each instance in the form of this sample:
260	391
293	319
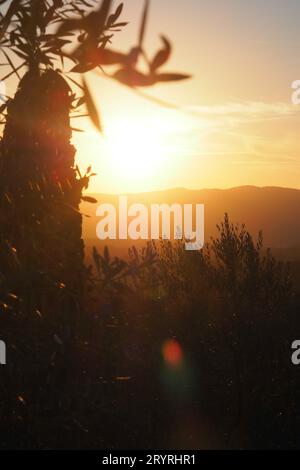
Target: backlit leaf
92	200
171	77
92	110
162	56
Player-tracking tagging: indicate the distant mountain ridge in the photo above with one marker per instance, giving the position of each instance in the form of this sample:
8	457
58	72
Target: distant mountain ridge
274	210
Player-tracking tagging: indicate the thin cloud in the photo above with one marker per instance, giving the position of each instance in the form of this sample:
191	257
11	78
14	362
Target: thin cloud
246	111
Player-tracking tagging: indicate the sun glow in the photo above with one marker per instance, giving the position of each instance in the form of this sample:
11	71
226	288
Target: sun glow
138	152
136	149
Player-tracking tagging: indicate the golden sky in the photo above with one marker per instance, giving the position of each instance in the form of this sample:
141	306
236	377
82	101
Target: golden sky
236	124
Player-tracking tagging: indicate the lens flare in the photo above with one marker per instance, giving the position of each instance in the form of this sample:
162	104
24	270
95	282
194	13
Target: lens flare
172	353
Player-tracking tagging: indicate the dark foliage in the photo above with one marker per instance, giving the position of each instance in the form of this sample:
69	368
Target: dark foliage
178	350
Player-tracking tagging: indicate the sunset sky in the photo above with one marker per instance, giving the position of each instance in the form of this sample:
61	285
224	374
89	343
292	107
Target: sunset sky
236	124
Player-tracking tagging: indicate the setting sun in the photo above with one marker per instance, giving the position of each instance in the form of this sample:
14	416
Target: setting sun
138	151
135	149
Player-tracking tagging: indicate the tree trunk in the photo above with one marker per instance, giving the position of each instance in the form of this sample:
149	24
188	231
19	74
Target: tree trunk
41	193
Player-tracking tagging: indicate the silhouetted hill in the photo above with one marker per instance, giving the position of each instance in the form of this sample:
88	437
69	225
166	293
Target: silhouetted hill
274	210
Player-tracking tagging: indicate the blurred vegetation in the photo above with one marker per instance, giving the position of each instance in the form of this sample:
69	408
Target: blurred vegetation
106	382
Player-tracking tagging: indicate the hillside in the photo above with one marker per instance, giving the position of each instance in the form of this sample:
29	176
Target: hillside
274	210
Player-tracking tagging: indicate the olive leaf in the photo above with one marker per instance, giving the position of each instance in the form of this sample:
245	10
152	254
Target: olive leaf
92	110
171	77
89	199
99	56
133	78
114	16
162	56
93	23
10	13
